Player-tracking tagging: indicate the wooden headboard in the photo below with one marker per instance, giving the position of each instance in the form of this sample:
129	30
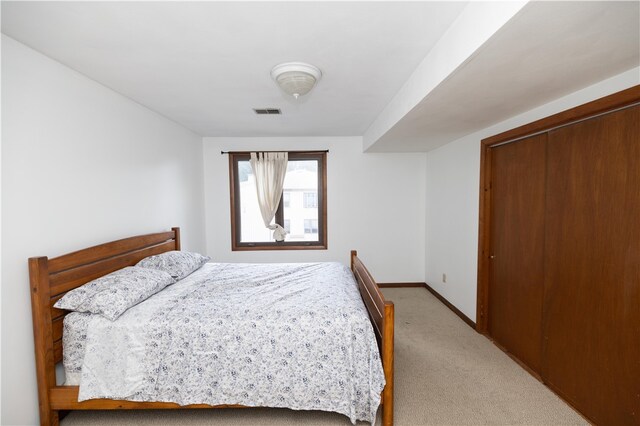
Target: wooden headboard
50	279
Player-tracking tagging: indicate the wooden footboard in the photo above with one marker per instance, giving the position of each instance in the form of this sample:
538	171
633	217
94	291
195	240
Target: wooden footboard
50	279
381	312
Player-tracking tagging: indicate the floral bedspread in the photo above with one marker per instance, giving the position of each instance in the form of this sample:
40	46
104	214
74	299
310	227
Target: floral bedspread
272	335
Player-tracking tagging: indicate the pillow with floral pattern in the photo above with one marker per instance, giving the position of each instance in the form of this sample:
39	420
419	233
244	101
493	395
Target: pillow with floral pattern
178	264
112	294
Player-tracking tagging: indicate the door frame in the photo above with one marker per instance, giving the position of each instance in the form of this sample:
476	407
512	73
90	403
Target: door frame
599	106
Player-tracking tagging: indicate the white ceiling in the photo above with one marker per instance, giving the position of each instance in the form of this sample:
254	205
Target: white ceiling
206	65
548	50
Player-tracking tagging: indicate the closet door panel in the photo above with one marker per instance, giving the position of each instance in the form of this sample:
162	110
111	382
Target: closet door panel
591	318
517	242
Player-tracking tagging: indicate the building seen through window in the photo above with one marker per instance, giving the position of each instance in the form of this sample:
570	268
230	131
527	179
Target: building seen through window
310	226
310	200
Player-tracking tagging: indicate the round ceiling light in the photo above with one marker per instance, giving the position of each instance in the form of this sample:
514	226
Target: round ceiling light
296	78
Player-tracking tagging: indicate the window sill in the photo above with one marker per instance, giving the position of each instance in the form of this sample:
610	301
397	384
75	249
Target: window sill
278	246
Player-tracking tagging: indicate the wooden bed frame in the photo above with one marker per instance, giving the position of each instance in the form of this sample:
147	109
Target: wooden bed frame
50	279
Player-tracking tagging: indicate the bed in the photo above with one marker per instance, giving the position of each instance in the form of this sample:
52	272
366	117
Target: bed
50	279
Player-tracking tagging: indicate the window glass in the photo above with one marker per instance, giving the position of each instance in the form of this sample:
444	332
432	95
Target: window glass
301	179
252	226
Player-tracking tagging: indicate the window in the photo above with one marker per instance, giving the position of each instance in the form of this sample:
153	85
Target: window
302	208
310	200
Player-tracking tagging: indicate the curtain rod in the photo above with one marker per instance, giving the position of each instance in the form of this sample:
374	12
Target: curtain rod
247	152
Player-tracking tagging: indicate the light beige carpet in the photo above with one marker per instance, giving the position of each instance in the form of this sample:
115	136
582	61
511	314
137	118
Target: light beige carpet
446	374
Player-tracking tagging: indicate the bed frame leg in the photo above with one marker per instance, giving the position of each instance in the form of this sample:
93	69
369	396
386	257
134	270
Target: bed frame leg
387	364
387	411
49	417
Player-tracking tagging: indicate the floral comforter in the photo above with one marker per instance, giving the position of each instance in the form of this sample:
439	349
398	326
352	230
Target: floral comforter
272	335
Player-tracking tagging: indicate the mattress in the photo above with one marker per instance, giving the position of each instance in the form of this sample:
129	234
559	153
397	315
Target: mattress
272	335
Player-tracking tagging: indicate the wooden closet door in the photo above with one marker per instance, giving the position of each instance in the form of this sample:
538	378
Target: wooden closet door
591	320
517	243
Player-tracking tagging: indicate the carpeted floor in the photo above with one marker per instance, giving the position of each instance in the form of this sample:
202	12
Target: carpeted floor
446	374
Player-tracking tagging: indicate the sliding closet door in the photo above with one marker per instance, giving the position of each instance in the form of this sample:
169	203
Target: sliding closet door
517	242
591	321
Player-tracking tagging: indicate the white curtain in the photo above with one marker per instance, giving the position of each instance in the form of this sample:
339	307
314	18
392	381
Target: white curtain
270	168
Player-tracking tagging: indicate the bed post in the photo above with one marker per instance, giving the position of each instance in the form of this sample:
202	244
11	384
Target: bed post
176	230
43	335
381	313
387	363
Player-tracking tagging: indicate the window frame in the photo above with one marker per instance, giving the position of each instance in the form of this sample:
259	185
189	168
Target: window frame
234	202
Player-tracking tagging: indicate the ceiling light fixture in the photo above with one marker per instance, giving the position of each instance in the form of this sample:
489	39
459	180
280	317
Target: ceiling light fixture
296	78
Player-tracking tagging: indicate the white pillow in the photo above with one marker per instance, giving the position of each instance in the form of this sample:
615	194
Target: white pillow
111	295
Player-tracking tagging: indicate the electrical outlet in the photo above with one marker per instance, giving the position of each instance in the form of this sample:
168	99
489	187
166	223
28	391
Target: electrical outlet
444	278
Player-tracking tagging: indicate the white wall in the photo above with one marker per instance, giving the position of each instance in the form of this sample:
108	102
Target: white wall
81	165
375	204
452	197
